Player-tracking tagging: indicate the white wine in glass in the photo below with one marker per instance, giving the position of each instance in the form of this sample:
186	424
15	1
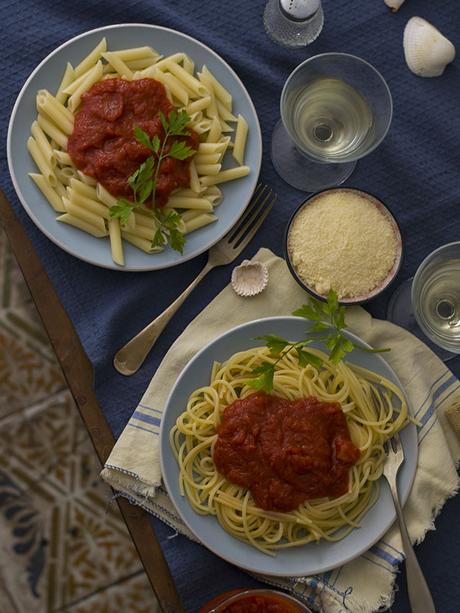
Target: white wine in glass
432	309
335	109
331	118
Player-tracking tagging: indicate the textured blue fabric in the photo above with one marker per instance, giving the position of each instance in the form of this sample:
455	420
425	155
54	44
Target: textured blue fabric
415	171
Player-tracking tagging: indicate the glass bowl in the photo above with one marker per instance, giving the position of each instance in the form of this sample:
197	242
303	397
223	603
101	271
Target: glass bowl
382	285
221	603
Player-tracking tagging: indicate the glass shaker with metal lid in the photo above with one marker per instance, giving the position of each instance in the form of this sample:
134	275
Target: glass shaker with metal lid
293	23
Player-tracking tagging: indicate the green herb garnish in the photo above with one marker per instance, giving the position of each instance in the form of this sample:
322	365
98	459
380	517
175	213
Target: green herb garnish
328	325
144	180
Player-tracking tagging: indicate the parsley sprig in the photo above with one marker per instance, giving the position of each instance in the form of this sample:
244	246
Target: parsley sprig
328	325
144	180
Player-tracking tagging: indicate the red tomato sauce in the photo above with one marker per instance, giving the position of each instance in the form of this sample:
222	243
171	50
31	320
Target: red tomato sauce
102	144
260	604
285	452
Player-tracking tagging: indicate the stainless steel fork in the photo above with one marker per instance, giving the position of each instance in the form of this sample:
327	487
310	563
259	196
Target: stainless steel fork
130	357
419	594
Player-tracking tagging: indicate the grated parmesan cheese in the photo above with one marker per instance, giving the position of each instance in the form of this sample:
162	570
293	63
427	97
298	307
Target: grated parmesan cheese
344	240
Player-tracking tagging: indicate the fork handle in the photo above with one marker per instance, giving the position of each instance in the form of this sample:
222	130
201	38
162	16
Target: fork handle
420	597
131	356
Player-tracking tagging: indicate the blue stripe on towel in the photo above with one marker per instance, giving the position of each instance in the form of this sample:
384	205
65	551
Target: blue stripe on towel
144	406
431	409
141	428
384	555
149	419
431	389
429	412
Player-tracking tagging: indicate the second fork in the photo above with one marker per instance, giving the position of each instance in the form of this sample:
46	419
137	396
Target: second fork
131	356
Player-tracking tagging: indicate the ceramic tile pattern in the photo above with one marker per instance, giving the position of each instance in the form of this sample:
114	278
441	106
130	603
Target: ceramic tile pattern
63	543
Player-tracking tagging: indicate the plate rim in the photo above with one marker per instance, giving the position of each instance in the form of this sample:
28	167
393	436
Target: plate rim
36	220
163	443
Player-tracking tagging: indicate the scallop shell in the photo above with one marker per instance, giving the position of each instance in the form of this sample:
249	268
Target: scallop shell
427	51
249	278
394	4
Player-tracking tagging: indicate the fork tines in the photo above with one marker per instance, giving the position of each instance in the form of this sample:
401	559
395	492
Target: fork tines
257	210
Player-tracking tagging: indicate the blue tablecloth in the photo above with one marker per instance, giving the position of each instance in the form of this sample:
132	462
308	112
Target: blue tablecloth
415	171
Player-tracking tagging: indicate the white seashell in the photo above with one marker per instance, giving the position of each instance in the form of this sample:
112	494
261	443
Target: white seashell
427	51
249	278
394	4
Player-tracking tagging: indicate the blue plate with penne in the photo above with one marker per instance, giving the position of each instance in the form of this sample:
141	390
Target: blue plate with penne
134	147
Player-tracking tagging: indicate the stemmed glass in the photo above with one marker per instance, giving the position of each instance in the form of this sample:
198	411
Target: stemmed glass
335	108
429	304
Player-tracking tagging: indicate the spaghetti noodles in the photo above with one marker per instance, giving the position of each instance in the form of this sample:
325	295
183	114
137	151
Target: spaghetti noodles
375	409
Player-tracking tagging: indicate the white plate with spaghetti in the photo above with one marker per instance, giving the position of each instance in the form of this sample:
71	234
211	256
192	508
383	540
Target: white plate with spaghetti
310	556
188	55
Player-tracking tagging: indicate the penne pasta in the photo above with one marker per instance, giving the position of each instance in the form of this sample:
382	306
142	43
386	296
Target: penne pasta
225	175
68	77
92	77
215	131
86	215
118	64
208	169
189	65
62	157
175	86
204	148
50	194
81	224
183	202
191	214
240	139
199	222
207	158
86	179
88	204
116	246
43	144
198	105
175	58
90	60
137	53
104	196
220	92
65	174
84	189
194	180
184	77
41	162
56	112
140	243
224	112
52	131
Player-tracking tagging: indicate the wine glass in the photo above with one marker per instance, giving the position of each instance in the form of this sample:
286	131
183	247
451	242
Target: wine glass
429	304
335	108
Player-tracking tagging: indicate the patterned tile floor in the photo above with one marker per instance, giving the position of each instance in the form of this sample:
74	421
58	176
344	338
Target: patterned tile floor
63	543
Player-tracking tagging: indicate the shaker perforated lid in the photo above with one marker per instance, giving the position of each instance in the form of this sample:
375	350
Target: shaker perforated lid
299	10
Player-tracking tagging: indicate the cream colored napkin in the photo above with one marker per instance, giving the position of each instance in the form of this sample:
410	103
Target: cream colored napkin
366	583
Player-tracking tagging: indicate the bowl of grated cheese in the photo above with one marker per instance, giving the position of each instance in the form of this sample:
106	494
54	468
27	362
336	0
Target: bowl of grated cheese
343	239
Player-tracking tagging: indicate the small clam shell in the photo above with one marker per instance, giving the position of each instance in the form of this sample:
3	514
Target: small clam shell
394	4
249	278
427	51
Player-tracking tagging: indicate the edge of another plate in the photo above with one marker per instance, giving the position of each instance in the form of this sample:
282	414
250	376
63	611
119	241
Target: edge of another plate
244	555
251	179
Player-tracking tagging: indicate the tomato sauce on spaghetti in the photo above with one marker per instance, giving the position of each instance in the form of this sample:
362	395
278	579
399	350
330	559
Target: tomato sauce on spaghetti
103	146
285	451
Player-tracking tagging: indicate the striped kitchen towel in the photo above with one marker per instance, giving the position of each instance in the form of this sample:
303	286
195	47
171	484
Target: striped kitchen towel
366	583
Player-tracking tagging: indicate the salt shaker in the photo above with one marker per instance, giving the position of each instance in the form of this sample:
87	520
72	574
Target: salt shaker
293	23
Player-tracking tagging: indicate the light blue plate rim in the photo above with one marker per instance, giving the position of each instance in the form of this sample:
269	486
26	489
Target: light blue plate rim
136	261
309	559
